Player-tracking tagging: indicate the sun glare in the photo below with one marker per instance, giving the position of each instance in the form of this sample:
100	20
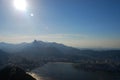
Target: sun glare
20	5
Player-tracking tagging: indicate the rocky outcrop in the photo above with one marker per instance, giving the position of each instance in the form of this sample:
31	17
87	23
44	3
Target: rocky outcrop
14	73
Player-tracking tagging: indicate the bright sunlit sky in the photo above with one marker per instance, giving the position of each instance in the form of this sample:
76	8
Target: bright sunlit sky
77	23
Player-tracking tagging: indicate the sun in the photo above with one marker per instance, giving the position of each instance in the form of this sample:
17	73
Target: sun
20	5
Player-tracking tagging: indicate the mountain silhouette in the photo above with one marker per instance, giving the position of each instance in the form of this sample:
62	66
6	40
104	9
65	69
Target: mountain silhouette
40	49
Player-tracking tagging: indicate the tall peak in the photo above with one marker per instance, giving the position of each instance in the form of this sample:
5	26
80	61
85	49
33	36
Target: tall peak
35	41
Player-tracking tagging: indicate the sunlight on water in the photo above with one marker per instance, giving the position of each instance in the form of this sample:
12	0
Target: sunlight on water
35	76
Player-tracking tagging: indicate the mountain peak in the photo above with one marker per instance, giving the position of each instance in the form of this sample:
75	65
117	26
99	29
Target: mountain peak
38	43
35	41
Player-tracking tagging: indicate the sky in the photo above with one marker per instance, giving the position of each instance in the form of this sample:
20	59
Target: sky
77	23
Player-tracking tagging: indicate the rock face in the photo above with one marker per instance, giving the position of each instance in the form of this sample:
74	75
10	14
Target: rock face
14	73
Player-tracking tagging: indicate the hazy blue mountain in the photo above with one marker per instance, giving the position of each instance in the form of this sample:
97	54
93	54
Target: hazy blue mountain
38	49
12	48
3	58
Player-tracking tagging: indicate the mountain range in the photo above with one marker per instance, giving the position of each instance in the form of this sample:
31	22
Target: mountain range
51	51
